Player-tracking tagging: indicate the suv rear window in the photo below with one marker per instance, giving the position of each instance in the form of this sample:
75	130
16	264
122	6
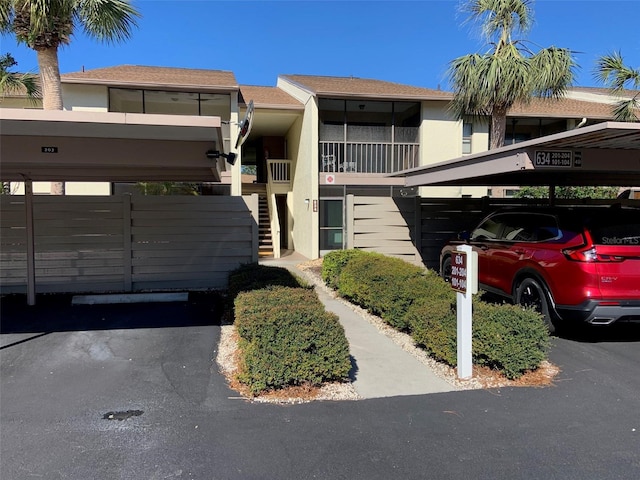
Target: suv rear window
621	227
518	227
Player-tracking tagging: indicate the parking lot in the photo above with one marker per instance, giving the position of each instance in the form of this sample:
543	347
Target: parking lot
133	392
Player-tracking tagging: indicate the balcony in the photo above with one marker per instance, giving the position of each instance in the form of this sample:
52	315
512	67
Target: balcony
368	149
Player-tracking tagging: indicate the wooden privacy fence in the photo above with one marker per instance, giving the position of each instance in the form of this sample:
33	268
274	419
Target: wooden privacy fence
415	229
126	243
383	224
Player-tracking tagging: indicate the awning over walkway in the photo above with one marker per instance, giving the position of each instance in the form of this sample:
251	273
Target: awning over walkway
603	154
45	145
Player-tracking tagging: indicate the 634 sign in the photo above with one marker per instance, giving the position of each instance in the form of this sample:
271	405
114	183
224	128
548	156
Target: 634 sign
554	158
459	271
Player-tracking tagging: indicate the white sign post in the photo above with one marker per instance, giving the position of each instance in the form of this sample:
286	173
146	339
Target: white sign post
464	280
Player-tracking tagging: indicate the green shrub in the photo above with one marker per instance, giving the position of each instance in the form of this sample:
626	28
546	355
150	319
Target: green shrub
508	338
253	277
505	337
385	286
433	326
333	263
287	338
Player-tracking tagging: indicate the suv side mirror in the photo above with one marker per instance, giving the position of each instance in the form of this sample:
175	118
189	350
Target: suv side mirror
464	236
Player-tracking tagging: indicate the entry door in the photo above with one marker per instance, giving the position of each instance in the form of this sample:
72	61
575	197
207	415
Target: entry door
331	224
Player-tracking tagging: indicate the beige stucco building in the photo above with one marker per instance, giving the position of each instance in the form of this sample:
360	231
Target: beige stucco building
314	141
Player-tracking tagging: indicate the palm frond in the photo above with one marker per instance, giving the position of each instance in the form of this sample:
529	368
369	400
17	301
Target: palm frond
501	17
626	110
614	74
109	21
16	83
19	84
482	82
554	69
6	16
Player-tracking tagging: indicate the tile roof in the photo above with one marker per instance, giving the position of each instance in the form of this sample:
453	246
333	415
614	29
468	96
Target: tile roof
363	87
268	97
603	91
135	75
564	107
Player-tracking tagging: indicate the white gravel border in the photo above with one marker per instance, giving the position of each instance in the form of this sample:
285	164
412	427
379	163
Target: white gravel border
346	391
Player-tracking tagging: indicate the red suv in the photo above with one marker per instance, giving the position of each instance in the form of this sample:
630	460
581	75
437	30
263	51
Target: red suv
569	263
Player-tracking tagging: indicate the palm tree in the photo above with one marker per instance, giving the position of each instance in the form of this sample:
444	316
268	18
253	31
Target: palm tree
15	83
613	73
490	84
12	82
44	25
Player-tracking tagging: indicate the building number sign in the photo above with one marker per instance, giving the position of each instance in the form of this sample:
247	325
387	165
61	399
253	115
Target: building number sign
459	271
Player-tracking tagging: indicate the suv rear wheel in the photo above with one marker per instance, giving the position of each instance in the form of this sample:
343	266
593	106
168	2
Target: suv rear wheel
531	293
445	270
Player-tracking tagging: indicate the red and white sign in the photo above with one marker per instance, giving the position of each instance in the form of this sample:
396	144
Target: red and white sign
459	271
330	179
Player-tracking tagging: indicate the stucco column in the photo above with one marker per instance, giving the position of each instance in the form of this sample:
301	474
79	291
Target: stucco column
236	169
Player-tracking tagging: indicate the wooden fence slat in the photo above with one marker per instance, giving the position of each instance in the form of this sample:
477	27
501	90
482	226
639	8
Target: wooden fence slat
93	243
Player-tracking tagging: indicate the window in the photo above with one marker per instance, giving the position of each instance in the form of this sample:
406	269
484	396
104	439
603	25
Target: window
467	133
126	100
488	230
518	227
170	102
331	224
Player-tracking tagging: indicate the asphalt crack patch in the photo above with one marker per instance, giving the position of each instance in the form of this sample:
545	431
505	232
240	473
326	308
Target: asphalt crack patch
120	416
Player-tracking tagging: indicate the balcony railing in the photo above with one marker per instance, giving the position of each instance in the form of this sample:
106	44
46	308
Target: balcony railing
365	157
279	171
279	175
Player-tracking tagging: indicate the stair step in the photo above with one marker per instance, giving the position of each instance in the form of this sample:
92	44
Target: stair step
265	242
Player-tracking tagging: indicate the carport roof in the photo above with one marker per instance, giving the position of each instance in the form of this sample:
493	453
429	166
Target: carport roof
603	154
107	146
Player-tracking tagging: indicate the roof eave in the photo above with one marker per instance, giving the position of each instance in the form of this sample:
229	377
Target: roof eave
269	106
173	86
379	96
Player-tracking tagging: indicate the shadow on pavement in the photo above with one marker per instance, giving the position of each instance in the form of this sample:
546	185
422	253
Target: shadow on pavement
54	313
618	332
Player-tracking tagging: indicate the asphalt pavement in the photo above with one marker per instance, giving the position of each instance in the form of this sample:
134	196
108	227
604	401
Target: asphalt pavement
133	392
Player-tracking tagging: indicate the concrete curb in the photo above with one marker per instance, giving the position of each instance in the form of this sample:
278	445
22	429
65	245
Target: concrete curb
129	298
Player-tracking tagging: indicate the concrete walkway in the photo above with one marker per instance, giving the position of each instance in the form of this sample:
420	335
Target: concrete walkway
383	368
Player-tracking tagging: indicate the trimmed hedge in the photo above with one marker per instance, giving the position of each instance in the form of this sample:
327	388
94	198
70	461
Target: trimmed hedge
333	263
509	338
505	337
287	338
433	326
253	276
386	286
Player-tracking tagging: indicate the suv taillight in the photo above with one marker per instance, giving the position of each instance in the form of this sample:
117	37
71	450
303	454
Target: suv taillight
589	254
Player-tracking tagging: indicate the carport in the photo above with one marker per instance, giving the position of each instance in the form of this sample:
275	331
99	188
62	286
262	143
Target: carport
39	145
45	145
605	154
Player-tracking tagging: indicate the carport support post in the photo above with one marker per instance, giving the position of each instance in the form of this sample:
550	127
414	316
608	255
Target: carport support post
464	313
31	259
464	316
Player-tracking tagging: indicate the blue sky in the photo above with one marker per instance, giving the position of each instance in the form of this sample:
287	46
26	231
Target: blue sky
408	42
